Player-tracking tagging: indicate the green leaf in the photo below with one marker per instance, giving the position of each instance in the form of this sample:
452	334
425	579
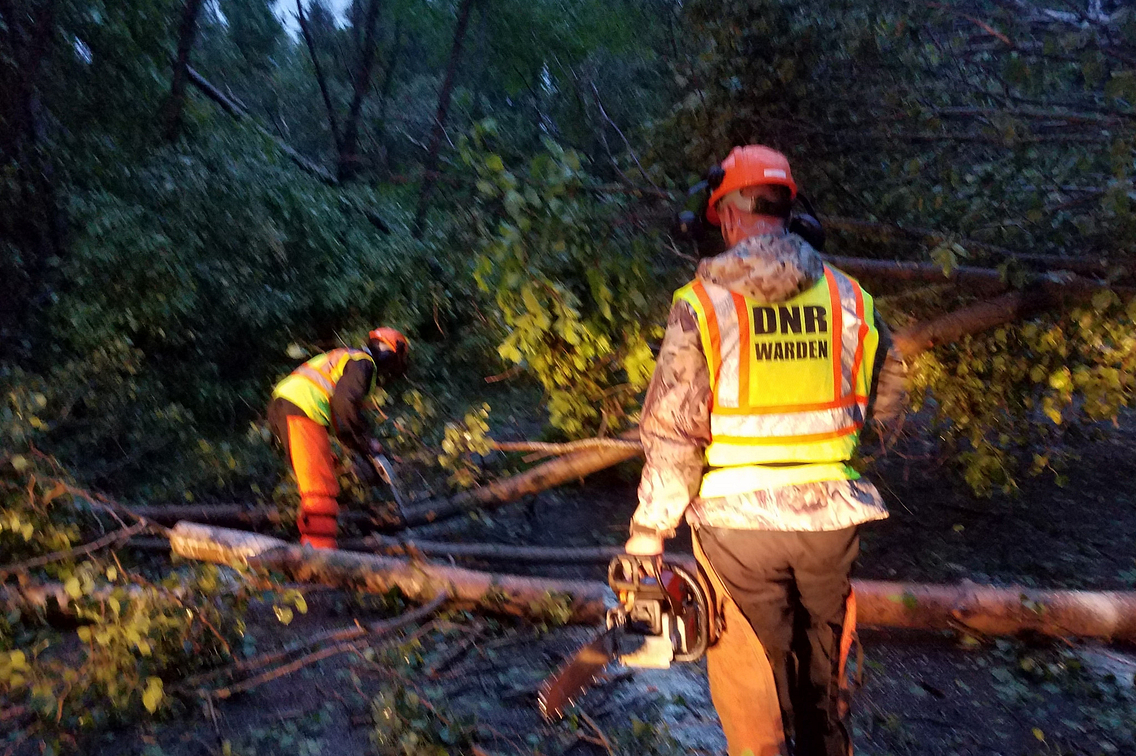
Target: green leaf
283	613
72	587
152	696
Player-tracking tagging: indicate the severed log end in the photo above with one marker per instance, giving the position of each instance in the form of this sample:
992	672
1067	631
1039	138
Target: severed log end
220	545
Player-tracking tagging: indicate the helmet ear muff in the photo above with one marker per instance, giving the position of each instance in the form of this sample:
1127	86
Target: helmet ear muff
391	361
806	225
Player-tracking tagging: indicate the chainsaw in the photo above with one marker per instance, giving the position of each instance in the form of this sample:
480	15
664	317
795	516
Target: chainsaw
665	614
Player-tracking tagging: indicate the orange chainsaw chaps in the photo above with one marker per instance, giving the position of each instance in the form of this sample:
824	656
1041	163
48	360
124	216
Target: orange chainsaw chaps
847	637
310	452
741	680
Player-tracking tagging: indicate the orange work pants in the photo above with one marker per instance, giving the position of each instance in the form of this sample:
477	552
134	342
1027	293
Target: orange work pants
309	449
741	680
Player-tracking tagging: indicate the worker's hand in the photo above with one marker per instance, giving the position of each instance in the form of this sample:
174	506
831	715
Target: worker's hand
375	447
644	544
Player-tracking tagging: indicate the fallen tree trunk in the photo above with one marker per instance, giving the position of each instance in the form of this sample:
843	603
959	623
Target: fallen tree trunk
982	609
982	316
544	476
996	610
535	598
979	281
490	552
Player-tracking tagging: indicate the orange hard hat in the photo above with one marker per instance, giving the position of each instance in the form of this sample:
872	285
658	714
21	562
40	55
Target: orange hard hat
389	336
389	349
751	165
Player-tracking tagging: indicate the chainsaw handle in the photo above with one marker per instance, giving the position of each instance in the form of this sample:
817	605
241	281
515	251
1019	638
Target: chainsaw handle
626	573
702	607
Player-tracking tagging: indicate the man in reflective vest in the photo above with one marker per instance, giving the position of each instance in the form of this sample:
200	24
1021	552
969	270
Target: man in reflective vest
326	392
771	365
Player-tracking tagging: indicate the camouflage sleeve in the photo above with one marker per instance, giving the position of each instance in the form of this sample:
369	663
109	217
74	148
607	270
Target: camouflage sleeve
889	379
675	427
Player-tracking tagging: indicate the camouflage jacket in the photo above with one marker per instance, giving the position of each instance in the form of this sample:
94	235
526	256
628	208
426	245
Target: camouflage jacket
675	424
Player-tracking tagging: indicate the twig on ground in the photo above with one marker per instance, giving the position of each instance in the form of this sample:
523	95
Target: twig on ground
454	654
57	556
282	670
354	632
599	733
378	629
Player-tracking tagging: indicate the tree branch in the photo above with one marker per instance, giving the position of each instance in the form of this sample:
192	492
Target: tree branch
321	80
186	34
109	539
348	160
440	119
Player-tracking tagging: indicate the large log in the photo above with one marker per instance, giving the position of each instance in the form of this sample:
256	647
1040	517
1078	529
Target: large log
539	478
998	610
582	601
982	609
489	552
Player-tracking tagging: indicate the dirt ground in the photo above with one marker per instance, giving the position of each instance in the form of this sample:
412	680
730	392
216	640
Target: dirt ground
922	693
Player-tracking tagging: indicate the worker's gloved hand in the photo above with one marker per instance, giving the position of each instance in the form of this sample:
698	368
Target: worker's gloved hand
375	447
644	544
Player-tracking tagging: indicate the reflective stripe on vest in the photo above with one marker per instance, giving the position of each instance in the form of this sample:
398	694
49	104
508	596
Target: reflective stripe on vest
311	385
789	382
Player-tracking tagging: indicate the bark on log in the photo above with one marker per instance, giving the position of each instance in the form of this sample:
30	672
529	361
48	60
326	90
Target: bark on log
490	552
1016	305
418	581
537	479
1080	265
988	610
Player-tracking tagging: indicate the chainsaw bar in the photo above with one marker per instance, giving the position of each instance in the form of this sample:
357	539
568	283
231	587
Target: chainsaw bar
568	683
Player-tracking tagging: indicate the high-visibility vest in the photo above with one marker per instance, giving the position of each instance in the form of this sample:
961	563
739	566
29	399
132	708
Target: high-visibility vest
311	385
789	382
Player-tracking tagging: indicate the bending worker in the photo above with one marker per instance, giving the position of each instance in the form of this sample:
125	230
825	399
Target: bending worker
771	364
326	392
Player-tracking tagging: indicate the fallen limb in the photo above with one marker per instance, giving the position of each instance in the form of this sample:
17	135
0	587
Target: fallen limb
1008	308
343	635
989	610
995	610
345	641
580	601
539	478
1081	265
490	552
109	539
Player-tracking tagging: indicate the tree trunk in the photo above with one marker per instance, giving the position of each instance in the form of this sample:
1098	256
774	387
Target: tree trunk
187	32
384	90
1016	305
544	476
431	165
236	111
986	610
348	160
321	80
536	598
36	223
489	552
990	610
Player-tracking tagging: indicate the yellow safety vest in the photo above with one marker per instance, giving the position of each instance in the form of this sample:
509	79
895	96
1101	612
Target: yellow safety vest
789	382
311	385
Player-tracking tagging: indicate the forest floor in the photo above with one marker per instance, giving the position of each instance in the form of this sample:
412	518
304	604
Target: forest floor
922	692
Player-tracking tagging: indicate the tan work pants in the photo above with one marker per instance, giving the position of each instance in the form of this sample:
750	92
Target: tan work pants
741	680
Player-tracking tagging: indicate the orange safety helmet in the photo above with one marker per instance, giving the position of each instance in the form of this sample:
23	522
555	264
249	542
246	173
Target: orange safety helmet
389	349
751	165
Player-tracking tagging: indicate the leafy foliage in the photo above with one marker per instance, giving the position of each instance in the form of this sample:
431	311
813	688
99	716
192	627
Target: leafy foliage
572	286
125	634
